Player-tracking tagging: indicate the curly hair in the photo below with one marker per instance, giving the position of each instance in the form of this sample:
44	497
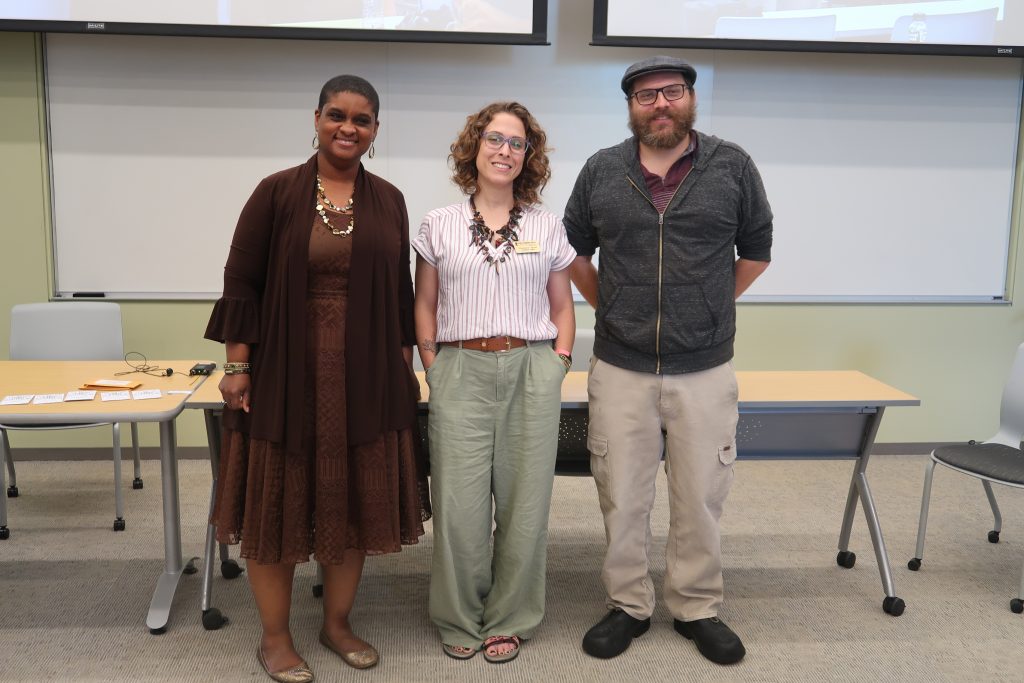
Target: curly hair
527	187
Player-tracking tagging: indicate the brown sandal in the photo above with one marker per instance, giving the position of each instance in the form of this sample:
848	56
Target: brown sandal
458	651
504	656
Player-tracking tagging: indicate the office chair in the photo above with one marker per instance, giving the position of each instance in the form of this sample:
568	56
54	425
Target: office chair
70	331
573	458
999	460
963	28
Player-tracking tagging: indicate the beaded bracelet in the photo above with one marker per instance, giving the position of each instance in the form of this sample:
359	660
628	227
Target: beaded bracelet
237	368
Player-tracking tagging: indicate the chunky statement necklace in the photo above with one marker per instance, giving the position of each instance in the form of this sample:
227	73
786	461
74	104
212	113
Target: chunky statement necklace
322	201
506	235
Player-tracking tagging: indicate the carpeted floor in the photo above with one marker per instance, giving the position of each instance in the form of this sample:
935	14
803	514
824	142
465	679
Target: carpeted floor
75	594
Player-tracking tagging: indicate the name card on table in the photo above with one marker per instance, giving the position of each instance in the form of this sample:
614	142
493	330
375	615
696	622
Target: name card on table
112	384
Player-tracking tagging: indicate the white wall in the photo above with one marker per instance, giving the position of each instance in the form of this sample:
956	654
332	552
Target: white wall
890	176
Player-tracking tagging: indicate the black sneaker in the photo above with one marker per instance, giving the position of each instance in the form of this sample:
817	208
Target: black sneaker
612	635
713	638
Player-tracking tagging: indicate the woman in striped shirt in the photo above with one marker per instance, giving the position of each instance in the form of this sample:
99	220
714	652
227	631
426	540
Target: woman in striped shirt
495	326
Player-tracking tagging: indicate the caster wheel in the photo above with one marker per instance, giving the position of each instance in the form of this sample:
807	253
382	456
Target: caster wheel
846	559
158	631
893	606
993	537
5	533
318	590
914	564
137	484
190	567
118	525
1017	605
213	619
229	569
12	491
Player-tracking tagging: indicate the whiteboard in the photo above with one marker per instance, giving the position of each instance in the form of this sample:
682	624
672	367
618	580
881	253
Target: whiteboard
891	177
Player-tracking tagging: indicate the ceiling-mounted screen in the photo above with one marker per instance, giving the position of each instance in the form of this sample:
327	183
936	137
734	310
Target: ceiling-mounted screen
941	27
450	21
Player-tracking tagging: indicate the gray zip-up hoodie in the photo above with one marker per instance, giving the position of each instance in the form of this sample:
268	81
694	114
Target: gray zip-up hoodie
666	282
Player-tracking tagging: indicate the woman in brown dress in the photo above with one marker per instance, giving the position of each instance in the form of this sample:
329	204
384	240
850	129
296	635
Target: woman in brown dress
317	316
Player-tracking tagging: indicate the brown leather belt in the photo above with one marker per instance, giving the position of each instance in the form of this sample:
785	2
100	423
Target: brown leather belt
496	344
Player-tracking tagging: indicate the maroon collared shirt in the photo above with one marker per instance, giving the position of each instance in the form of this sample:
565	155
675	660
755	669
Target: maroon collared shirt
662	189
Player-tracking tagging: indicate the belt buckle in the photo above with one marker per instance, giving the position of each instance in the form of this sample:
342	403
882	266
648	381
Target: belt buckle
508	345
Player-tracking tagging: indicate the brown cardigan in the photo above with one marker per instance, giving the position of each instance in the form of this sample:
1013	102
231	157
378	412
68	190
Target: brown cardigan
264	305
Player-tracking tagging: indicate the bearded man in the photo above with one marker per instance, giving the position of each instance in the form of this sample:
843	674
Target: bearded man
684	227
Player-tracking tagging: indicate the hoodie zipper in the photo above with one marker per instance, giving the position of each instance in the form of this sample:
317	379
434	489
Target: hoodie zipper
661	254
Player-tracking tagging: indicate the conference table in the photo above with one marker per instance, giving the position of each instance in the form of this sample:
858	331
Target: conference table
60	377
818	414
783	414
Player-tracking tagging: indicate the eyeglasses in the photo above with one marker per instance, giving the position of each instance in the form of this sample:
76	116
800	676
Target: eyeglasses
650	95
496	140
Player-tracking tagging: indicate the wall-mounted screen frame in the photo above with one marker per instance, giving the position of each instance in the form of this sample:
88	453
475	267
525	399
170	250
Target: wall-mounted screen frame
988	28
509	22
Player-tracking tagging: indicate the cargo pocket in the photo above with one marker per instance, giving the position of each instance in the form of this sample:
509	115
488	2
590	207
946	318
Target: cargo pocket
598	448
727	454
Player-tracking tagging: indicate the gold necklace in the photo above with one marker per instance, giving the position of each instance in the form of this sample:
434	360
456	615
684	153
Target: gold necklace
323	201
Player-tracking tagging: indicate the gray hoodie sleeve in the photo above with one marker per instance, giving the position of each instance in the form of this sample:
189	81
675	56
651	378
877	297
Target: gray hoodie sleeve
578	226
754	237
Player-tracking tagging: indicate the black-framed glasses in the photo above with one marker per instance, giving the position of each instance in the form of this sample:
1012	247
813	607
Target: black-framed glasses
650	95
496	140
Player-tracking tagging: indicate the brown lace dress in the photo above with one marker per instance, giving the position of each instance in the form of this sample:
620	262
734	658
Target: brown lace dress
370	497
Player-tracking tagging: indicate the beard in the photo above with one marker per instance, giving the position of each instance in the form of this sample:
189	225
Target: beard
666	138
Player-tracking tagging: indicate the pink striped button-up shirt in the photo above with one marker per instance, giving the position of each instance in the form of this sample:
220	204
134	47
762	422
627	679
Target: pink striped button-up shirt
475	299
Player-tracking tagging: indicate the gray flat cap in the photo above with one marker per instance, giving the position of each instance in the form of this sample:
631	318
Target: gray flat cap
660	63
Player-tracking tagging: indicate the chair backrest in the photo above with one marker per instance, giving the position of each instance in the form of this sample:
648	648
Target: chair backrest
78	330
583	349
971	28
1011	408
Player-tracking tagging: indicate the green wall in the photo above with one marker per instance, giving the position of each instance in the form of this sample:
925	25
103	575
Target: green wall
954	357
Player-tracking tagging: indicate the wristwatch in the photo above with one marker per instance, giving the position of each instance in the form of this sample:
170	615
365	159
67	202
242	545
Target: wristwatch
566	360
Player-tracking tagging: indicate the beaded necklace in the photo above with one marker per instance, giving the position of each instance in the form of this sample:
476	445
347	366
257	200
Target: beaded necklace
322	201
506	235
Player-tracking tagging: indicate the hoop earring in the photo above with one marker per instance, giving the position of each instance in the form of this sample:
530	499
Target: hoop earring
372	150
316	141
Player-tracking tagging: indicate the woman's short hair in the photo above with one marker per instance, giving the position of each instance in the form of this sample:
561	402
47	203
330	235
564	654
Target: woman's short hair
527	187
350	83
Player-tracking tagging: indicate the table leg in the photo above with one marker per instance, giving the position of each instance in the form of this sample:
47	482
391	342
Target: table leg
876	535
859	488
213	442
163	595
212	617
851	508
5	533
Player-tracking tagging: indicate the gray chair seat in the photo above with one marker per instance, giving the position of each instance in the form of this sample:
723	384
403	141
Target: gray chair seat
998	460
991	460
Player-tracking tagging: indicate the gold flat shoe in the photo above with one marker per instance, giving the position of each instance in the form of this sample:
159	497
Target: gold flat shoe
300	673
360	659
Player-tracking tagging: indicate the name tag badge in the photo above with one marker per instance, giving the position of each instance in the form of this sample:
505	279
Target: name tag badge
527	247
